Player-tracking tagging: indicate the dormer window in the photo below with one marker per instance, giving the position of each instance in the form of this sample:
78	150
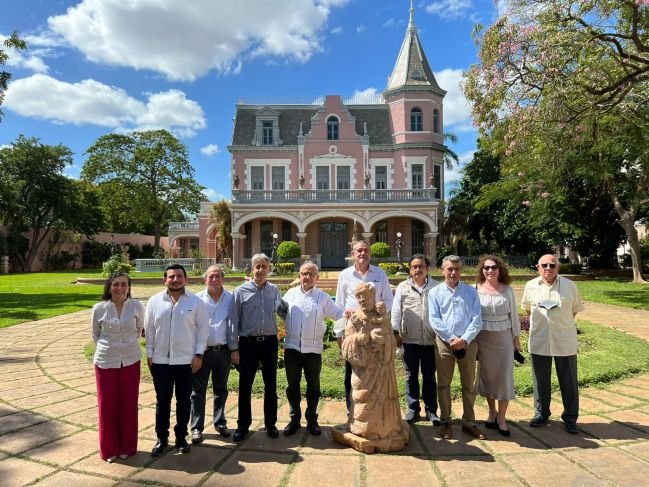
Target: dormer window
416	120
436	120
332	128
267	133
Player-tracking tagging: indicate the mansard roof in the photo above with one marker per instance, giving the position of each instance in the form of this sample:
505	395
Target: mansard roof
411	71
376	117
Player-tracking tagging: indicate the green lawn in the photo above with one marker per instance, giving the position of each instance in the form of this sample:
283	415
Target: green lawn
614	291
35	296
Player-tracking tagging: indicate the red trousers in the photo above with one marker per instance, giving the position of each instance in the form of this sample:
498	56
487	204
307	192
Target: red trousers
117	398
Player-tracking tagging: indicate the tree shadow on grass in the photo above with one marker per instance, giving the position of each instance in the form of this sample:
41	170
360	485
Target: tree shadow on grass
21	307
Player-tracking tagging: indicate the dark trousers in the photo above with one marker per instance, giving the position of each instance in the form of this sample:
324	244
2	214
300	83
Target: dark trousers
416	357
165	378
294	363
251	353
217	363
348	385
567	375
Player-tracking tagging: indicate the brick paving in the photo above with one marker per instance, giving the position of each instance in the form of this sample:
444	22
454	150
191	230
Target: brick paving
48	432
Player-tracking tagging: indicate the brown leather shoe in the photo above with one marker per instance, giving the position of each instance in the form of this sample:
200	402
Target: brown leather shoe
446	430
473	431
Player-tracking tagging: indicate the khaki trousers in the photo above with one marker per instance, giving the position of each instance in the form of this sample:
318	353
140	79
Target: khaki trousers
445	362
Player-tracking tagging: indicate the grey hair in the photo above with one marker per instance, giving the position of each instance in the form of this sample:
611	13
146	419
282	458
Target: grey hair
455	259
311	263
257	257
216	267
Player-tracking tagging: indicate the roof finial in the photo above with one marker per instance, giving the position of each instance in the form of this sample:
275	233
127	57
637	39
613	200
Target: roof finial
411	23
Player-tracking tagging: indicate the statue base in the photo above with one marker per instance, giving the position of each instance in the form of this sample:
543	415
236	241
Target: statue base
342	435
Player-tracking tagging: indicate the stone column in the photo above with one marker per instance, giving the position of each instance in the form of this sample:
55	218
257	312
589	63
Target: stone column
302	241
4	264
367	236
236	243
430	247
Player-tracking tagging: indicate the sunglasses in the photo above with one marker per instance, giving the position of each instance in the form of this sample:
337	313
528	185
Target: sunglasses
546	266
489	267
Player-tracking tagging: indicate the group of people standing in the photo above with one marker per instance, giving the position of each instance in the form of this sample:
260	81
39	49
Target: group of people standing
190	337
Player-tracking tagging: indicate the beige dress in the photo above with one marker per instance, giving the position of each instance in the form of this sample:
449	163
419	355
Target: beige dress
495	378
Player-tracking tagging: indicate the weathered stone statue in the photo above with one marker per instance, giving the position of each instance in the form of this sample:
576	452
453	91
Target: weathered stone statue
369	345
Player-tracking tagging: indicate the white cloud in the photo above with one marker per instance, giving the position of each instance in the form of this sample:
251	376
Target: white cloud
186	40
30	59
337	30
213	195
368	95
389	23
92	102
454	175
457	110
450	9
361	28
210	150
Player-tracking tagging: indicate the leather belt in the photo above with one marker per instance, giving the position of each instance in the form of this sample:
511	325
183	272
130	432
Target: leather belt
259	338
216	348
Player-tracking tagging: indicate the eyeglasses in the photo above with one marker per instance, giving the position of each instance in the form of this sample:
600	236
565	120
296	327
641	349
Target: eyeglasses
546	266
489	267
307	274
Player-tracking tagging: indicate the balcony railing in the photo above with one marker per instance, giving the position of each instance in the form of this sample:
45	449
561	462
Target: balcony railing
334	195
183	227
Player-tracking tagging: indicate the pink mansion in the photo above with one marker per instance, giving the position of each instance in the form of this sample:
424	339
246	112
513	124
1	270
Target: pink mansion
317	173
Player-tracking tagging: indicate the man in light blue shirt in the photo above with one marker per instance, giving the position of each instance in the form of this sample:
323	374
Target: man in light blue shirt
455	316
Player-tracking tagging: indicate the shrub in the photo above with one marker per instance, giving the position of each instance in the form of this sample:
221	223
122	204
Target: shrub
285	267
61	261
288	250
117	263
570	268
94	253
442	252
390	267
380	250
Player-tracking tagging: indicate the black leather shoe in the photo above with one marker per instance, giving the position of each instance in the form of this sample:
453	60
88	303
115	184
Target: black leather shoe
159	448
239	435
314	428
292	428
490	425
537	421
272	432
223	430
197	437
572	428
412	416
182	445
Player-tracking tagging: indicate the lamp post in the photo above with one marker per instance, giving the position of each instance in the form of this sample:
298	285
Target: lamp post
273	256
399	245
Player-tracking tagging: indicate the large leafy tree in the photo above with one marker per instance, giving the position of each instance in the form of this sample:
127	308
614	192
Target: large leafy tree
562	88
36	196
145	178
12	42
221	217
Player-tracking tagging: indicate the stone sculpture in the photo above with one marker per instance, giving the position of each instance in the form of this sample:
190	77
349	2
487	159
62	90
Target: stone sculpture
369	345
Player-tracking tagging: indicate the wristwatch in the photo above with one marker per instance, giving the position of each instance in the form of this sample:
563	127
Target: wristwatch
199	355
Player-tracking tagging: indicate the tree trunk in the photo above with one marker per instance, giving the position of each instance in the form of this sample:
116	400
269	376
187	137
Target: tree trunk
627	222
156	234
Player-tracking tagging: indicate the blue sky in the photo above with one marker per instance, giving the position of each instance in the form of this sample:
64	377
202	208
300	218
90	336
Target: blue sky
99	66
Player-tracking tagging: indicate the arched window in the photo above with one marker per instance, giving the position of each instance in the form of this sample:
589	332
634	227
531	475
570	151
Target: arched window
416	120
436	120
332	128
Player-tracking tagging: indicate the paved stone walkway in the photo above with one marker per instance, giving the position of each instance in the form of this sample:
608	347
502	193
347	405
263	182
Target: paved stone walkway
48	432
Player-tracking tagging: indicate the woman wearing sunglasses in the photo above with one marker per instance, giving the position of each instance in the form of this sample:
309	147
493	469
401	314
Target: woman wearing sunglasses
497	340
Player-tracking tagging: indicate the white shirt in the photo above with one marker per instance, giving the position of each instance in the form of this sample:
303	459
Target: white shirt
175	333
116	336
305	325
219	316
553	332
350	278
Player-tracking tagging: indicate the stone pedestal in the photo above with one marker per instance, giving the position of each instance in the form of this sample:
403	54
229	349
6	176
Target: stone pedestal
4	264
342	435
